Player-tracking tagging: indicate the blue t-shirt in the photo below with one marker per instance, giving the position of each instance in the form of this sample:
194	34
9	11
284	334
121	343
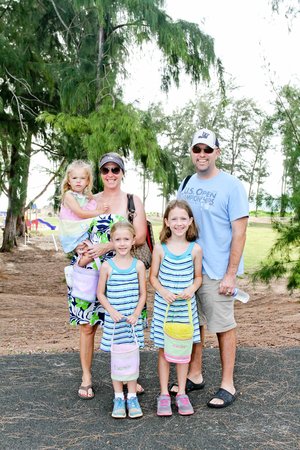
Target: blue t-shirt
216	202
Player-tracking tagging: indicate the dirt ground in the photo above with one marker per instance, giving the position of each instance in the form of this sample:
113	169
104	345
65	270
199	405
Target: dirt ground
34	314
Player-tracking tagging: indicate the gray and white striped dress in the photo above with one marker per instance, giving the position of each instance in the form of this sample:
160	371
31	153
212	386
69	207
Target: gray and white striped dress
122	292
176	272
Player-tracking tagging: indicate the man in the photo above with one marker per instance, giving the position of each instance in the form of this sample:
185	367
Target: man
220	207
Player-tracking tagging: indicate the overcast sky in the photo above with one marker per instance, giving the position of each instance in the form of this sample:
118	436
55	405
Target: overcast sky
247	37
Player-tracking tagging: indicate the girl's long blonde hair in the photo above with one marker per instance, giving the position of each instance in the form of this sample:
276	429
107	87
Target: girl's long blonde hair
78	164
192	232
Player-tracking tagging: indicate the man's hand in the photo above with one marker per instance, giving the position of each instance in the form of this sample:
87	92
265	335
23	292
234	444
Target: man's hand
227	285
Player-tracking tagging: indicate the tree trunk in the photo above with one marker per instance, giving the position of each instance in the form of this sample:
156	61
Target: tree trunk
9	234
101	39
283	193
144	186
257	198
21	226
18	173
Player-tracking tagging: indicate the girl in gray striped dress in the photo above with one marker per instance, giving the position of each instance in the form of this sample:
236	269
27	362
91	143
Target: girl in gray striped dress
122	292
176	274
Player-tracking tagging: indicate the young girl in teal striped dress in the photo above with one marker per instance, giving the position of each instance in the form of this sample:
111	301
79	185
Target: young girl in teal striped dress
176	274
122	292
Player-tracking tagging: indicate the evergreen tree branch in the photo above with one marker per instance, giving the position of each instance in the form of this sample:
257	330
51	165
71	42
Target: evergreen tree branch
59	16
286	112
6	9
128	24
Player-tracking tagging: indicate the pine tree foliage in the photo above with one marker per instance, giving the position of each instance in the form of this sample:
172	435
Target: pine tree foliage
23	77
98	36
284	258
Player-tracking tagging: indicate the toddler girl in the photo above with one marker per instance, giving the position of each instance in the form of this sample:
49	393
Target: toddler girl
122	292
78	203
176	274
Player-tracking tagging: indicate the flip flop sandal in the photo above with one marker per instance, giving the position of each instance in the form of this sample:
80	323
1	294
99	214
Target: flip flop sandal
190	386
86	389
224	395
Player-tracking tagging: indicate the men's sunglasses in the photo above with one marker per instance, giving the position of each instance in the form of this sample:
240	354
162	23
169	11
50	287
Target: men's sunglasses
106	170
197	149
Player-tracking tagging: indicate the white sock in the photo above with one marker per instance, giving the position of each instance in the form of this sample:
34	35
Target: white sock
119	395
130	395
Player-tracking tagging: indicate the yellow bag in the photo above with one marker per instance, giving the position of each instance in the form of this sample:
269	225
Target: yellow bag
178	338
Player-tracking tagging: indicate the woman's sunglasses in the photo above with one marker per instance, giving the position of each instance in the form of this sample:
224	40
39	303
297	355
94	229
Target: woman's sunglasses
106	170
207	150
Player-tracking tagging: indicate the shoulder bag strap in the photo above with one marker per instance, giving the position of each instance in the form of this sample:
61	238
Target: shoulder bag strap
185	182
130	207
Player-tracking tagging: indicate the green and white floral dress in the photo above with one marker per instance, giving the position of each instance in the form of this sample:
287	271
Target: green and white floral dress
81	311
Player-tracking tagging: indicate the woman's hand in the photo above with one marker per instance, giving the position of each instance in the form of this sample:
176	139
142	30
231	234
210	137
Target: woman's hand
97	250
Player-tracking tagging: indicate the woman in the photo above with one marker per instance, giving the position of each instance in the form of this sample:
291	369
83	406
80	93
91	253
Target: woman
90	315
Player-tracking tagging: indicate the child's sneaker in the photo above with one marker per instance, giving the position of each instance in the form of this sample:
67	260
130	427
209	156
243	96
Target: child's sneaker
119	411
134	409
164	405
184	405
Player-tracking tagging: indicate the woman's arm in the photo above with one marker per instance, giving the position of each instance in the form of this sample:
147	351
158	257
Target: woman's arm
141	271
71	203
139	222
104	275
157	257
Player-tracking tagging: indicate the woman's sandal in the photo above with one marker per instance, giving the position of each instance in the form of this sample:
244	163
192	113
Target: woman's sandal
189	387
86	390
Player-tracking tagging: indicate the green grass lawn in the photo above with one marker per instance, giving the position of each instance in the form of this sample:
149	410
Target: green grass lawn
260	238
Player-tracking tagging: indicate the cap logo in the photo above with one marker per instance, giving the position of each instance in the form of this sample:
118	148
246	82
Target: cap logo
204	135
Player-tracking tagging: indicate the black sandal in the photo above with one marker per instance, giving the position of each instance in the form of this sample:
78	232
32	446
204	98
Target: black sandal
224	395
189	387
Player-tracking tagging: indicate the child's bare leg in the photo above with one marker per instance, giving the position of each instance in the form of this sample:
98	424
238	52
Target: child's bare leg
182	371
163	372
139	387
118	387
132	386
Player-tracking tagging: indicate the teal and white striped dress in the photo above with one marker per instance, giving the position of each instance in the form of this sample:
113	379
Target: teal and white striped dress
122	292
176	272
